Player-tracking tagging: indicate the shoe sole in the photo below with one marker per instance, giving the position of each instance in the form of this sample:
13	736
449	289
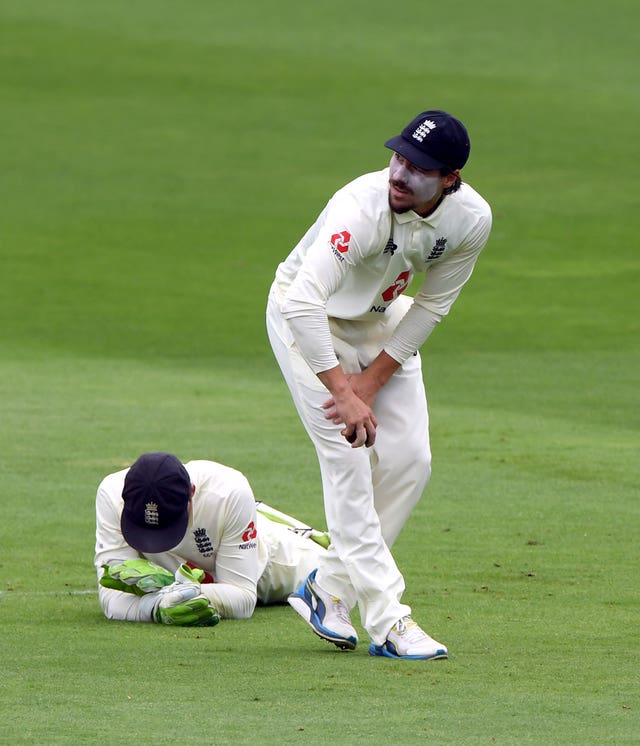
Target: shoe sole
300	604
381	651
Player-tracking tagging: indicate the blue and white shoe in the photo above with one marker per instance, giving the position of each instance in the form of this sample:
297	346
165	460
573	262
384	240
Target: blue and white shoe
407	640
326	614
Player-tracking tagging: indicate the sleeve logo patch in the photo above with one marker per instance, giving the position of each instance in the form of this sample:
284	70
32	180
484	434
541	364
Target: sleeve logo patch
249	537
250	532
340	241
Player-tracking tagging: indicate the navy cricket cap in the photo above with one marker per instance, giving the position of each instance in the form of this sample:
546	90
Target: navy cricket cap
156	496
433	140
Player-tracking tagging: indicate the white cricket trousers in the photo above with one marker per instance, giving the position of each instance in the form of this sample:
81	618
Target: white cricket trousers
286	558
368	492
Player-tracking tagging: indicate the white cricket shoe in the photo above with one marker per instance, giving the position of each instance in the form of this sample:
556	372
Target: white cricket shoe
326	614
407	640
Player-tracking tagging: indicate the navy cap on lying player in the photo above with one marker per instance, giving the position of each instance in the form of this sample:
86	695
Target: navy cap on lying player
156	494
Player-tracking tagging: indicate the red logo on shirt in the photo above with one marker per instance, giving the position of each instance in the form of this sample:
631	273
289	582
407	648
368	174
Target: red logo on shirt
340	241
400	284
250	532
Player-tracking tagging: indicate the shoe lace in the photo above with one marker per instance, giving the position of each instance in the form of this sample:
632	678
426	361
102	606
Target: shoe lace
340	610
409	630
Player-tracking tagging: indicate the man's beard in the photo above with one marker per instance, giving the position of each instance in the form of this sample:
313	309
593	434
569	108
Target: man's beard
399	210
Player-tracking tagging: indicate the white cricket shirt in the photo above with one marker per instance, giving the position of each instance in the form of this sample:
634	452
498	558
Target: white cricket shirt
359	257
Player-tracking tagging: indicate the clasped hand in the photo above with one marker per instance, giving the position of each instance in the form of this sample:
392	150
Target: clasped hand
353	410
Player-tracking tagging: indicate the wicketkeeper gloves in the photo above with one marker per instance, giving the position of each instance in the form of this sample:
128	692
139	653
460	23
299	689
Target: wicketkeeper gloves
182	604
186	574
137	576
178	598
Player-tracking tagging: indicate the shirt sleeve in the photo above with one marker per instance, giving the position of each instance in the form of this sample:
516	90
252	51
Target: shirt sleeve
111	548
445	279
442	284
312	335
234	592
126	607
412	332
339	245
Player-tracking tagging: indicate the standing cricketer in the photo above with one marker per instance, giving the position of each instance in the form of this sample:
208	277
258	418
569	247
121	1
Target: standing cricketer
347	341
187	544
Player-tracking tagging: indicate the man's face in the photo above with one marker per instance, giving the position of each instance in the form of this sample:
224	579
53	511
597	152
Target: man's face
412	188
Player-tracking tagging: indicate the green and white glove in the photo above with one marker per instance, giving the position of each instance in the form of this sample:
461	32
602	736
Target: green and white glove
137	576
183	605
186	574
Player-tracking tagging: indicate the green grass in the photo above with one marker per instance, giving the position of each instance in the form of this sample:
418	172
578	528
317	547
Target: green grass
157	163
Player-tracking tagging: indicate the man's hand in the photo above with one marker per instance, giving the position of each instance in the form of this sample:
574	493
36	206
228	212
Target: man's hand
349	409
137	576
346	408
362	387
359	421
182	605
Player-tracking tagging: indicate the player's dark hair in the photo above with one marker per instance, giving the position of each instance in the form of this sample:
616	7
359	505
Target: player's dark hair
456	184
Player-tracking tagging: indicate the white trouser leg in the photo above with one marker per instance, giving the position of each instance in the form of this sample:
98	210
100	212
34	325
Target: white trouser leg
358	565
289	558
401	454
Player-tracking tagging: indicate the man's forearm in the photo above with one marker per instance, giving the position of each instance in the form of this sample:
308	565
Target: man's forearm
230	601
335	380
381	369
126	607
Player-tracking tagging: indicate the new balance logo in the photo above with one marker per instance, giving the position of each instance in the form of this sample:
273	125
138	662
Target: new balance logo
391	247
